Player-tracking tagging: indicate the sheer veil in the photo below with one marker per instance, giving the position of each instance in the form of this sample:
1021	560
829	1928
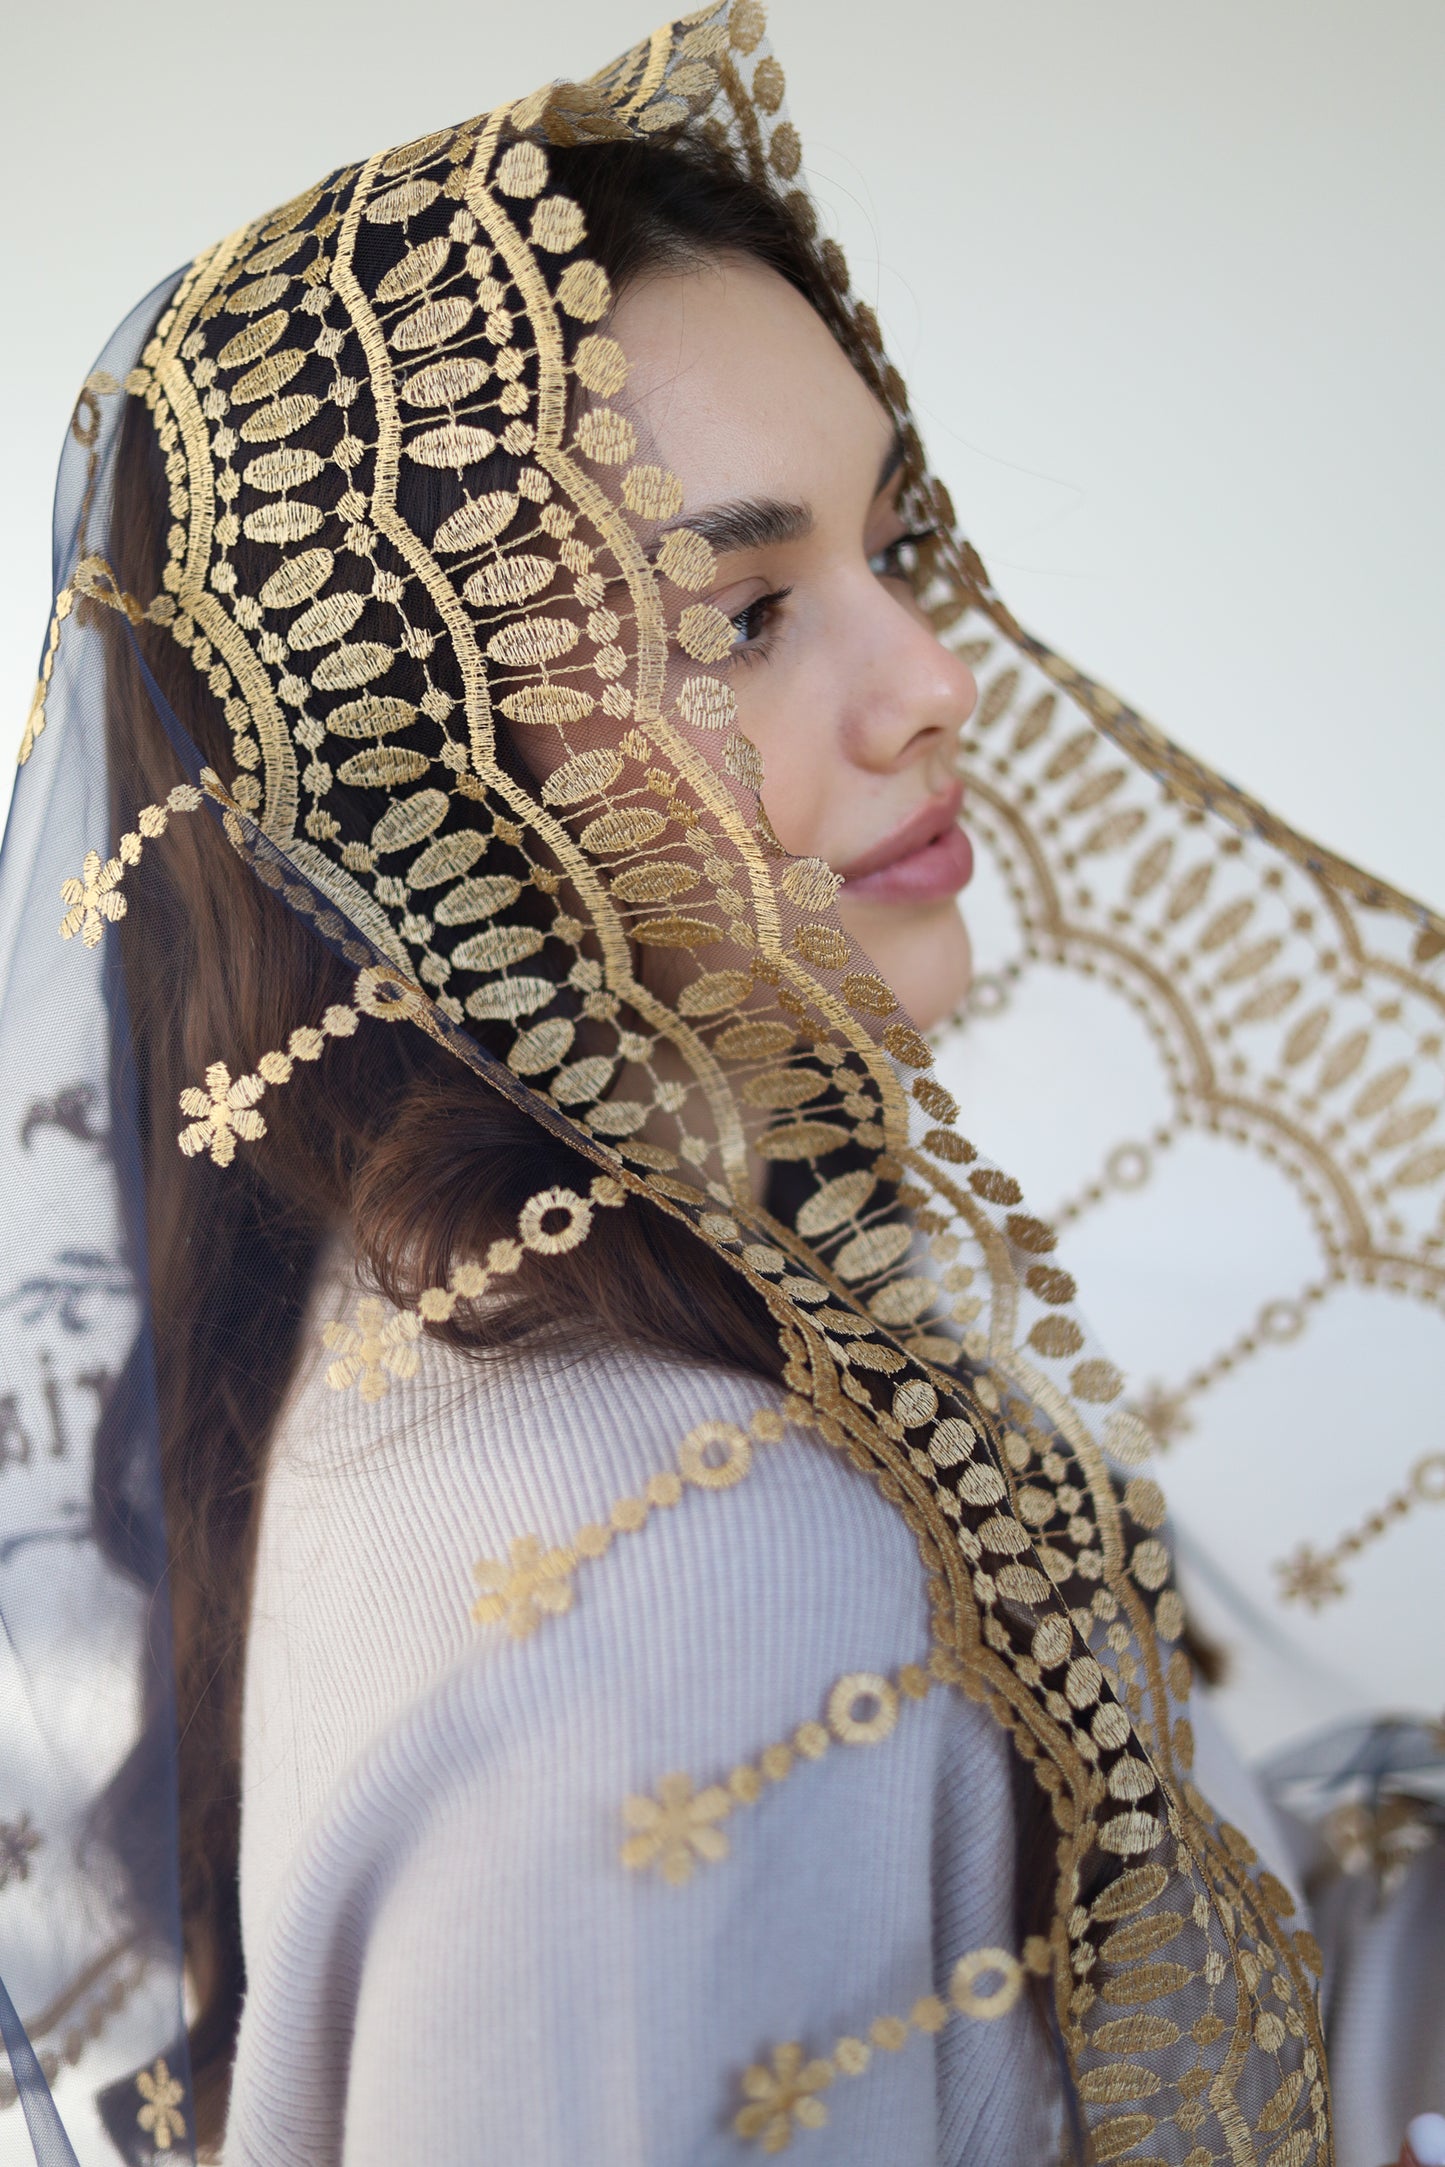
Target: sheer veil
474	740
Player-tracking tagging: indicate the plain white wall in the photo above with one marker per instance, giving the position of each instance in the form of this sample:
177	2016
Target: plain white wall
1165	282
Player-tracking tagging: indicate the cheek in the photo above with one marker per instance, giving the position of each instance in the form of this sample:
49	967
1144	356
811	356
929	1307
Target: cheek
802	769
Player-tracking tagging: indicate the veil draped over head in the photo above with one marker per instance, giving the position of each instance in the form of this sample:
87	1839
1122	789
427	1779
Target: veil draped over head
475	757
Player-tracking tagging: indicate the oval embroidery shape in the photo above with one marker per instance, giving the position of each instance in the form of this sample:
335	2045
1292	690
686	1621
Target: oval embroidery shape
416	269
373	717
433	322
479	898
267	377
351	665
480	520
531	641
298	580
383	767
455	445
448	856
284	521
282	417
329	619
445	383
585	775
629	828
286	469
496	948
409	821
508	581
257	339
509	998
398	204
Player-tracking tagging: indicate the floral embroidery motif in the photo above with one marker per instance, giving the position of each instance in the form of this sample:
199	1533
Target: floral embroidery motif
1163	1413
533	1582
225	1111
1383	1840
780	2097
161	2114
373	1351
785	2097
375	1348
221	1113
92	899
1314	1577
677	1828
1308	1577
18	1841
536	1583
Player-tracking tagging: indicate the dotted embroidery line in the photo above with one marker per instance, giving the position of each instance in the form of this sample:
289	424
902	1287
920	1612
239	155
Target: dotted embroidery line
1314	1577
785	2095
94	900
380	1342
678	1828
533	1583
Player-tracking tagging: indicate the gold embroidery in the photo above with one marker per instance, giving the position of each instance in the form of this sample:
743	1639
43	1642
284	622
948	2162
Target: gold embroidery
1382	1840
676	1829
785	2097
1314	1577
518	1591
861	1710
379	1345
534	1582
161	2116
220	1114
224	1112
93	900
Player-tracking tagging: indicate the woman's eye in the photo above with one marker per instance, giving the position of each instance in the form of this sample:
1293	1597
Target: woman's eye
898	559
756	622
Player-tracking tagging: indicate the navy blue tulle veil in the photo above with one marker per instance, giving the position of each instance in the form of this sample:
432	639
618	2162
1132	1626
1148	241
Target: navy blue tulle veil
91	1994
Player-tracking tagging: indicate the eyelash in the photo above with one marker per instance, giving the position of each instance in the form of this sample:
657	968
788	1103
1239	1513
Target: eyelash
764	611
889	560
758	621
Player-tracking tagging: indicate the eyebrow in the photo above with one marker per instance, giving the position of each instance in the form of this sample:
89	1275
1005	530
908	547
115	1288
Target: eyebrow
761	522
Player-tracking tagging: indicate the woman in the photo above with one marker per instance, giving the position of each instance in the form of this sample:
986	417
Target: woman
519	612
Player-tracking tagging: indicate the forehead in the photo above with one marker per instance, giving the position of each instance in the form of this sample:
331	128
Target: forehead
739	387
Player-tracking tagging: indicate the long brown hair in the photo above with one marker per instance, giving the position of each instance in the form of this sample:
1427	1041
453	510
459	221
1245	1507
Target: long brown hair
391	1139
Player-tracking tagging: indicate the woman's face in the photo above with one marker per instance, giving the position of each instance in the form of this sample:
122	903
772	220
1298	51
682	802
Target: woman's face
789	469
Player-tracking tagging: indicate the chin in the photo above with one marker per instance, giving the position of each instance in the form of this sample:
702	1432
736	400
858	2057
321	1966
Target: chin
922	950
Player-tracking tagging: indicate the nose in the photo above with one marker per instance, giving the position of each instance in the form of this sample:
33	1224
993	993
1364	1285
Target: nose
911	696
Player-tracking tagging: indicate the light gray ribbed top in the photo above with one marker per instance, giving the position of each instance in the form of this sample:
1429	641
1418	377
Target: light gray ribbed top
448	1960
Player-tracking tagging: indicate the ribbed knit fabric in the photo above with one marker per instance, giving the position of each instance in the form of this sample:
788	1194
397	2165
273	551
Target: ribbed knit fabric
447	1960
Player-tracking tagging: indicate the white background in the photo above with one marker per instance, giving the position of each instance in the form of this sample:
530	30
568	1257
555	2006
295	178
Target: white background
1165	281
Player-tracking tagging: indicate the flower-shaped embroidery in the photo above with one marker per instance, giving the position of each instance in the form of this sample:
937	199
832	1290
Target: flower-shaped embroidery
92	899
524	1590
220	1114
1162	1412
375	1348
161	2113
1307	1577
676	1829
17	1840
780	2096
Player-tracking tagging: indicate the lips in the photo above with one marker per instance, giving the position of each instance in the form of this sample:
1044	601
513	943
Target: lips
926	858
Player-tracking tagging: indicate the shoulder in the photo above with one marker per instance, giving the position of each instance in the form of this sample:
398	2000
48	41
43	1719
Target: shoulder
546	1531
